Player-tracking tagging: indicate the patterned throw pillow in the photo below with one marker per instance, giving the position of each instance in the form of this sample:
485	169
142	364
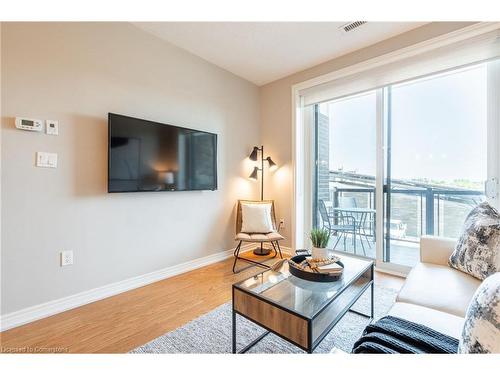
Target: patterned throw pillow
481	332
477	250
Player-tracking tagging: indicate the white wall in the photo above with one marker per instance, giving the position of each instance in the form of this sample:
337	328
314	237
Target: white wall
276	109
76	73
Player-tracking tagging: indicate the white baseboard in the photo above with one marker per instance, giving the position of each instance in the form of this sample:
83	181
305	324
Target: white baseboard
43	310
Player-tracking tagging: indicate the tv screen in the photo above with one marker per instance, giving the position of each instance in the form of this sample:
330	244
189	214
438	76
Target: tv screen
150	156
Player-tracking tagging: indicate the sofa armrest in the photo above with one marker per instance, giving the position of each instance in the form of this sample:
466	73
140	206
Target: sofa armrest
436	250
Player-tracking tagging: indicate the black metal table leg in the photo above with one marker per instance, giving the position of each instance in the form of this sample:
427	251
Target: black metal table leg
371	306
252	344
372	299
249	346
359	313
234	332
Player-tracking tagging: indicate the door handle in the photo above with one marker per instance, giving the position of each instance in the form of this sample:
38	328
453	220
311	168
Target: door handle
491	188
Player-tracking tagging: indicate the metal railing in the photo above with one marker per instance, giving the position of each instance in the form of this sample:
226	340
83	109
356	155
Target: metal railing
425	210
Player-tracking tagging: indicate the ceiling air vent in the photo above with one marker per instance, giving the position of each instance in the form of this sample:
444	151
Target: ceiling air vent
351	26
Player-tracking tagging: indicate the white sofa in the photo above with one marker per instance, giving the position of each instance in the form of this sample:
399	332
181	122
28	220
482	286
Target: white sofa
435	294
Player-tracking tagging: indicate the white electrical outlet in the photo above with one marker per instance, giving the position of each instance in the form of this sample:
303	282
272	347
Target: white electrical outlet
282	223
66	258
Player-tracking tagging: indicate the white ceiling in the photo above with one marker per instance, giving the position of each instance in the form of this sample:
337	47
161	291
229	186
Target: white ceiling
262	52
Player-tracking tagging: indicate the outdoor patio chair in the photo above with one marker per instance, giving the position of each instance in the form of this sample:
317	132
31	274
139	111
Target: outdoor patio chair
362	218
344	224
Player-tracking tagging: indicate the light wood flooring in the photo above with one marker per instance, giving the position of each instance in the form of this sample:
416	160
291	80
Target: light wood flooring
123	322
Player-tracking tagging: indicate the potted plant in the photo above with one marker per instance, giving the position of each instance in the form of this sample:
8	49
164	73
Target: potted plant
319	239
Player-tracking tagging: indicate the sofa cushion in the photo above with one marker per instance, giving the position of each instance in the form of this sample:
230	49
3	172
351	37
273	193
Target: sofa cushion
439	287
477	251
481	332
436	250
447	324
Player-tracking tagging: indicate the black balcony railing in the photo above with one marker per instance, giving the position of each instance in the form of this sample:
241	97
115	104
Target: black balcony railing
419	209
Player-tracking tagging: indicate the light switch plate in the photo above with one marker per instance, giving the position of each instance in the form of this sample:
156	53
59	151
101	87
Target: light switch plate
46	160
52	127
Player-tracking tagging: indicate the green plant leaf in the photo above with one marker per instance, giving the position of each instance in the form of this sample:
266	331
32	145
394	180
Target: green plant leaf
319	237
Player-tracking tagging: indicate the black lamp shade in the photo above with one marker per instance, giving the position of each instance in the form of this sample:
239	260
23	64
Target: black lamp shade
254	174
272	164
253	155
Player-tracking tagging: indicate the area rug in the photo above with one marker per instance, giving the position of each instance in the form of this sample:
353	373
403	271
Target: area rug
211	333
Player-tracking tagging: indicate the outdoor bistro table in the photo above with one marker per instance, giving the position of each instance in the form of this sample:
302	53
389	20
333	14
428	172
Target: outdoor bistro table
360	214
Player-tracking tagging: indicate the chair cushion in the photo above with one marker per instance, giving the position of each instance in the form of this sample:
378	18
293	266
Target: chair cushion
439	287
478	249
259	237
256	218
442	322
481	332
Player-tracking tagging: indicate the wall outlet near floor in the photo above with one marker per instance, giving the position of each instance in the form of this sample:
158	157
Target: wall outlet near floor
66	258
282	223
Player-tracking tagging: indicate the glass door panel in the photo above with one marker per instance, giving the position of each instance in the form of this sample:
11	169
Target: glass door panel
436	158
344	183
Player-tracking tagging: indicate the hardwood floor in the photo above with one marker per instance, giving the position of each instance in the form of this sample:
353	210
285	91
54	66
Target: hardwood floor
125	321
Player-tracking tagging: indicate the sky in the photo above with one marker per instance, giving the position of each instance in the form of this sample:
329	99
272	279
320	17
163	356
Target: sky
438	129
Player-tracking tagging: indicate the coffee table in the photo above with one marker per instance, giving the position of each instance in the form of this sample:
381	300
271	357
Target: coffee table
299	311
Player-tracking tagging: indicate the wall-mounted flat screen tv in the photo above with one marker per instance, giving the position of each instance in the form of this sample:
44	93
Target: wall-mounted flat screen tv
149	156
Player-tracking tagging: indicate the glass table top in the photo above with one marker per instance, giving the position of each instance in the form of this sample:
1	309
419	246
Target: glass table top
306	298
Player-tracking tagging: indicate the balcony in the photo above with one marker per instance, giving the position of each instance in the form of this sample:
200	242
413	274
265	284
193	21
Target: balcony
415	208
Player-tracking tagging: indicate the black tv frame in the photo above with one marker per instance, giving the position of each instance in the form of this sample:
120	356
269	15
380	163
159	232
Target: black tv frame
161	124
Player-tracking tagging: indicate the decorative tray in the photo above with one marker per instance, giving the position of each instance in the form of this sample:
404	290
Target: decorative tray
303	267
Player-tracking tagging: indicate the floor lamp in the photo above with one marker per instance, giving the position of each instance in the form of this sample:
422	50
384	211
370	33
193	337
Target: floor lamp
254	156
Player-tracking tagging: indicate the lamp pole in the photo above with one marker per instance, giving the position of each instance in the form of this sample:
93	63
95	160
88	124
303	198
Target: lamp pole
260	250
254	156
262	172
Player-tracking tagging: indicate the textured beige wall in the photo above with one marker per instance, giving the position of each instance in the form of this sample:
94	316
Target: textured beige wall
276	111
76	73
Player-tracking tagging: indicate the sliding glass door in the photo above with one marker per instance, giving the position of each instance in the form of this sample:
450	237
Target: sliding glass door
426	143
344	203
436	158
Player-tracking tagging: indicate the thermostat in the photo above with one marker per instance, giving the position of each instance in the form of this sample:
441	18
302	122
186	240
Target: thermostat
28	124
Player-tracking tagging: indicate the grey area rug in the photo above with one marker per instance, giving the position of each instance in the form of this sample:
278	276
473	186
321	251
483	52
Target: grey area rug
211	333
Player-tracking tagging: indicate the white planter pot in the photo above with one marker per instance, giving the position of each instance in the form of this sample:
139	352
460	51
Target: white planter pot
319	253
